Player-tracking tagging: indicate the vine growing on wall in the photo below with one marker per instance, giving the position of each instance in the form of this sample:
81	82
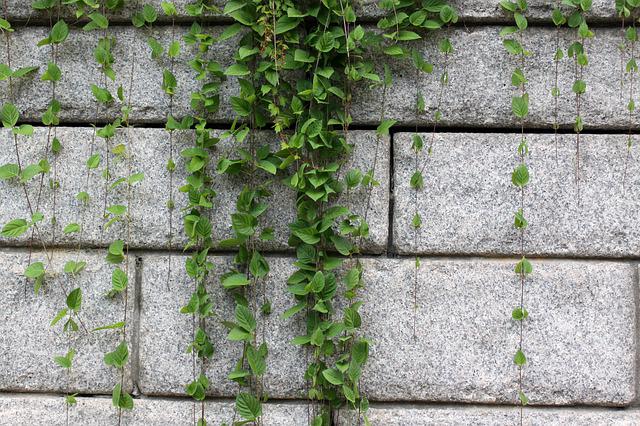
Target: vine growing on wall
577	51
406	22
197	226
558	20
628	9
513	43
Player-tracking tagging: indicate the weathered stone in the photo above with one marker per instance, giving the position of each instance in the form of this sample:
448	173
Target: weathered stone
405	414
28	343
459	339
479	93
165	333
462	353
31	409
468	202
152	223
469	11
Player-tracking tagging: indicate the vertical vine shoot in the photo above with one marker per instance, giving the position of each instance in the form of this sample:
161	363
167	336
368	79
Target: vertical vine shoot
577	51
408	22
513	43
628	9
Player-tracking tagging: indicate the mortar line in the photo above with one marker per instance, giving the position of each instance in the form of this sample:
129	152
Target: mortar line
135	334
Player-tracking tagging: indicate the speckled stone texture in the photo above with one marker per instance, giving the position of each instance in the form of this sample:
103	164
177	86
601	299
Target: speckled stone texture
469	11
165	333
401	415
153	225
470	363
31	409
479	92
579	338
480	63
468	202
28	343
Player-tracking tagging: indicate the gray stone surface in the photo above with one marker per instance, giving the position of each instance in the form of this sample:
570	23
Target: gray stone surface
468	202
28	343
150	216
165	333
579	338
470	11
80	71
32	409
401	414
479	92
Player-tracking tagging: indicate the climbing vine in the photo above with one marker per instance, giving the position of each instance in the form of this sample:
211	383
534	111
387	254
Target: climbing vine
628	9
577	51
405	23
513	43
558	20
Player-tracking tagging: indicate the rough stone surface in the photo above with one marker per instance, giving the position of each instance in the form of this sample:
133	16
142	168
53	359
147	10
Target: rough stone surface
579	338
462	352
152	223
469	11
400	415
165	333
30	409
479	93
468	202
28	343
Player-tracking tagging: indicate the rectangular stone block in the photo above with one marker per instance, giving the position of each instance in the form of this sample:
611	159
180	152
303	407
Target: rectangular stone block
404	414
479	93
457	341
152	222
469	11
32	409
468	202
29	344
465	337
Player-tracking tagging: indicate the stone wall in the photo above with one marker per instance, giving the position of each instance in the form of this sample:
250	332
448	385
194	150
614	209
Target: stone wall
446	359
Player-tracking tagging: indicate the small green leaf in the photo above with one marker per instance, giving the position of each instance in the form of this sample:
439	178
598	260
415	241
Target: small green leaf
248	406
519	359
235	280
15	228
74	300
71	228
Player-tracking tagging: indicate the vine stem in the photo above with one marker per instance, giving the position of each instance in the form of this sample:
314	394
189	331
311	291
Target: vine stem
171	172
631	101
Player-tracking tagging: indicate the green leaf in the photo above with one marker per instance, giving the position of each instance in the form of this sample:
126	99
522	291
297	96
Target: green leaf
248	406
286	23
59	32
519	314
93	162
121	399
520	176
520	105
113	326
383	128
579	87
245	319
333	376
258	266
9	115
149	13
101	95
523	267
15	228
237	70
118	358
235	280
417	181
71	228
293	310
9	171
74	300
519	359
66	360
119	280
74	267
35	270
